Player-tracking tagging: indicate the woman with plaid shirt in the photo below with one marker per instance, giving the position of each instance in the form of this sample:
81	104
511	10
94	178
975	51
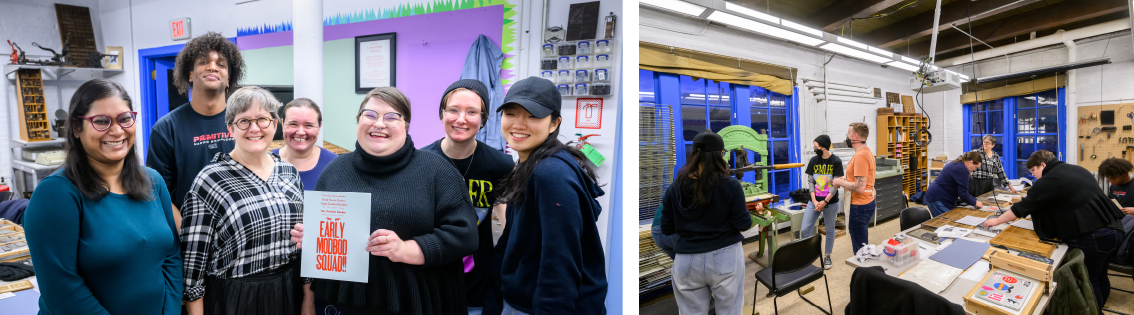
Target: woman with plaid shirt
990	171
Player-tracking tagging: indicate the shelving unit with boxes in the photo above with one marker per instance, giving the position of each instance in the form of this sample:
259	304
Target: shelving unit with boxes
897	139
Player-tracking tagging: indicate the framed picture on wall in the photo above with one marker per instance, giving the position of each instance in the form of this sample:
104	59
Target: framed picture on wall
375	61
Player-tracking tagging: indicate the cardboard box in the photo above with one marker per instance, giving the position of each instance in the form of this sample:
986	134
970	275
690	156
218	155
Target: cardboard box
1038	270
979	307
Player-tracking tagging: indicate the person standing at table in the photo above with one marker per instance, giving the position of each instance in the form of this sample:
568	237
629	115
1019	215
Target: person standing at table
1117	172
238	211
185	140
101	229
706	207
302	121
860	172
463	112
952	184
1067	204
822	168
985	178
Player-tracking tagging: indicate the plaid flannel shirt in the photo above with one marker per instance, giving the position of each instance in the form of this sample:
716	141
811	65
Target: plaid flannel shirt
990	167
236	224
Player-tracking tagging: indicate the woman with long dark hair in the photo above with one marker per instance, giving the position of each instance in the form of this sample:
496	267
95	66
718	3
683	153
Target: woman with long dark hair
953	183
550	258
101	228
706	208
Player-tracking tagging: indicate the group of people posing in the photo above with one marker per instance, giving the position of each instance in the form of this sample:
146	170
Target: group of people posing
704	211
212	224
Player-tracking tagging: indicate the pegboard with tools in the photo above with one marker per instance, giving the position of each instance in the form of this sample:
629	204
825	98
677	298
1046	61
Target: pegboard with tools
1105	131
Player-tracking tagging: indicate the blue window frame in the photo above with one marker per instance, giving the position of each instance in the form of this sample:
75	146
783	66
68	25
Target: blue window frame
1021	125
701	105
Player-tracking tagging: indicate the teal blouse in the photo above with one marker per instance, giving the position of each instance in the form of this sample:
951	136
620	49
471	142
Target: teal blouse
112	256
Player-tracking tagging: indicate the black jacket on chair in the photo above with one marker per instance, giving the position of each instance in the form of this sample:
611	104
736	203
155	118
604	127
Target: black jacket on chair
876	293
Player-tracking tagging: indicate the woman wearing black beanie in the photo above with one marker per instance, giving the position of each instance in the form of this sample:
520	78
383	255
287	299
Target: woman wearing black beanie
822	168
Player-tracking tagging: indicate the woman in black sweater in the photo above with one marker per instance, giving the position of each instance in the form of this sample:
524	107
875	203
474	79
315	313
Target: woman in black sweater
706	208
1066	204
422	218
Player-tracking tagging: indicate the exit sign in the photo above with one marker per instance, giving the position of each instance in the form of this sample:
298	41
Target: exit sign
179	29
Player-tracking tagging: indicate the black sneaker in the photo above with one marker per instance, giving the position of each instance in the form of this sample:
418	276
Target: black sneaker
826	262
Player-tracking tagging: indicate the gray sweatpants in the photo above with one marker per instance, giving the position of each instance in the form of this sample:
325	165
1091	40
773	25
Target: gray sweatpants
717	275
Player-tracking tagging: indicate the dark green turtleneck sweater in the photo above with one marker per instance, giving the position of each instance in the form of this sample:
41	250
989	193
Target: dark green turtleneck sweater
419	196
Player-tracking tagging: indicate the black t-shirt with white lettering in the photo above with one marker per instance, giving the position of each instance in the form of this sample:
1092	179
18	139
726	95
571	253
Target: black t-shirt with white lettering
1123	193
182	143
823	171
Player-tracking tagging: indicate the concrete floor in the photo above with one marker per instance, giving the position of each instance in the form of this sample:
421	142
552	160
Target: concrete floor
839	279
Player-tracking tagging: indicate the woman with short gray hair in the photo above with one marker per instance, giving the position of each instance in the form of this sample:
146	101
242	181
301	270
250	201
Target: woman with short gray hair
985	177
238	257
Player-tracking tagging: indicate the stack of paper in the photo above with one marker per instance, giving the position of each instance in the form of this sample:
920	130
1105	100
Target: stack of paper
1024	224
952	231
932	275
971	220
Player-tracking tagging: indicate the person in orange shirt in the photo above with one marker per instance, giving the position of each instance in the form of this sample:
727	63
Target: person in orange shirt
860	172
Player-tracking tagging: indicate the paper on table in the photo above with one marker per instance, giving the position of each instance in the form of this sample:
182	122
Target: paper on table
1004	198
6	295
952	231
932	275
1018	187
977	271
961	254
1024	224
971	220
337	228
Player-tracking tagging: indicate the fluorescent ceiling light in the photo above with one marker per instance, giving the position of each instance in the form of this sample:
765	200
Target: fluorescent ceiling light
911	60
850	42
902	65
751	12
964	78
675	5
762	28
836	48
880	51
801	28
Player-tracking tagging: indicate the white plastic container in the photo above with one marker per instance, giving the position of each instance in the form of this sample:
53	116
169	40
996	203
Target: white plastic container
582	75
584	48
602	61
549	50
602	46
602	75
566	76
564	89
582	62
547	74
565	62
900	253
582	89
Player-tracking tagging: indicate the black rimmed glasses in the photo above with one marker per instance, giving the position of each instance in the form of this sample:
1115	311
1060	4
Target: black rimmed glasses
102	122
245	123
371	116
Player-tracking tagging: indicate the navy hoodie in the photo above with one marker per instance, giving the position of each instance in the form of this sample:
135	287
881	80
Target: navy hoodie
552	259
705	228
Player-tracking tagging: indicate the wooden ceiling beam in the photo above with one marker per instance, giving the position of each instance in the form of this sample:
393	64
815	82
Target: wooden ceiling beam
835	14
922	24
1051	16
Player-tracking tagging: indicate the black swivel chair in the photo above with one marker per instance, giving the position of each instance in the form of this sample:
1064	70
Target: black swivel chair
912	216
792	268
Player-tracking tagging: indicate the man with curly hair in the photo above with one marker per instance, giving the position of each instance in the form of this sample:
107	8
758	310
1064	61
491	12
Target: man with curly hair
1117	172
183	141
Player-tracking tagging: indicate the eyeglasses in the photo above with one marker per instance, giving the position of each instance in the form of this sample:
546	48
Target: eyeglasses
245	123
454	114
102	122
370	117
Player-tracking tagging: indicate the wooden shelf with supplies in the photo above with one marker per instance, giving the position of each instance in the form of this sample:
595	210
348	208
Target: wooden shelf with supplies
32	110
897	136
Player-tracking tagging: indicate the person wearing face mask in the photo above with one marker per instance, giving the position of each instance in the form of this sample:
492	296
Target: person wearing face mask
821	170
953	183
549	259
100	229
861	170
463	112
237	215
985	177
302	120
1066	204
422	220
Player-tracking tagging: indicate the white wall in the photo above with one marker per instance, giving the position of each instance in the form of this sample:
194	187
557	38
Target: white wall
815	117
24	22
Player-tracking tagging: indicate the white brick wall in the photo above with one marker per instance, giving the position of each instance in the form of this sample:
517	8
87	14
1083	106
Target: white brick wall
24	22
808	60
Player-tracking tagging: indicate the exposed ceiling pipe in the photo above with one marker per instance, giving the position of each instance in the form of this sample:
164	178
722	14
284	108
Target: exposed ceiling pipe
820	90
848	100
835	83
933	41
814	86
1055	39
850	94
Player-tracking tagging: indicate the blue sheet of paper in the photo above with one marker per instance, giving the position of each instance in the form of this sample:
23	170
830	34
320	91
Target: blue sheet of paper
961	254
26	302
336	227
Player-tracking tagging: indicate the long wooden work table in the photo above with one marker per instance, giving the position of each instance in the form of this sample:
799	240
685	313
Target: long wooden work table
957	290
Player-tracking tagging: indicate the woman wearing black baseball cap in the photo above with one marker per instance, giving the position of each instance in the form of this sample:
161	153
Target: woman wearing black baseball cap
549	258
706	207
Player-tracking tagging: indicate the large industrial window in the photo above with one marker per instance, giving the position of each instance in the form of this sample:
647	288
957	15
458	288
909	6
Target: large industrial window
1020	124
